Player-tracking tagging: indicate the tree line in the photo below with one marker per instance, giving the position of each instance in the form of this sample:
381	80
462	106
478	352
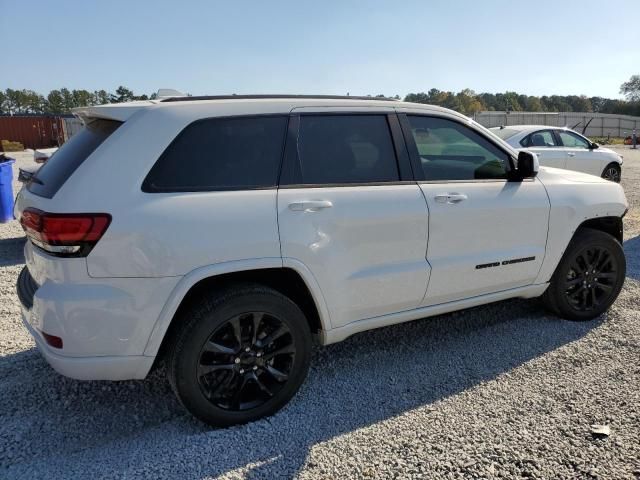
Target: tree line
61	101
466	101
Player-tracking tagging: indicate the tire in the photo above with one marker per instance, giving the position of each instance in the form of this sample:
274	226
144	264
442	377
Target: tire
208	365
612	172
575	291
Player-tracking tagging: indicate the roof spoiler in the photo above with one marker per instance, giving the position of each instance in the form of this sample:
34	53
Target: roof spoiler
111	111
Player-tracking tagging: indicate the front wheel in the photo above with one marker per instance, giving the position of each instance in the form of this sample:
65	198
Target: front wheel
589	277
612	172
239	355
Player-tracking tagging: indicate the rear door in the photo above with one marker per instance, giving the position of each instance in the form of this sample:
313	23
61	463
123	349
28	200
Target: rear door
579	156
486	234
545	144
349	210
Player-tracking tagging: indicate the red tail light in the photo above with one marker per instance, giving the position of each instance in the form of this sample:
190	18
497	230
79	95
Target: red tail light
64	234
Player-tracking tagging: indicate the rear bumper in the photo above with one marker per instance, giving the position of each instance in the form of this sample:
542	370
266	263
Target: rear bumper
91	368
104	323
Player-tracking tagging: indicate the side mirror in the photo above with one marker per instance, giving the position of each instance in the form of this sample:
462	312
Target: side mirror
593	146
528	165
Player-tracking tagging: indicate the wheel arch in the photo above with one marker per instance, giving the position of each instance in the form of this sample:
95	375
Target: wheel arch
292	280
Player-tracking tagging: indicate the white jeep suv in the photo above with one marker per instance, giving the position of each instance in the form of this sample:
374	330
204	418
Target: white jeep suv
226	234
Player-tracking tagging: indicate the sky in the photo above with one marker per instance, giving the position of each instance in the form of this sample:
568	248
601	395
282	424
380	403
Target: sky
541	47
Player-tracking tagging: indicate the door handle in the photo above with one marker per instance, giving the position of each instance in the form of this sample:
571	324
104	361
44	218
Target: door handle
450	198
310	205
571	154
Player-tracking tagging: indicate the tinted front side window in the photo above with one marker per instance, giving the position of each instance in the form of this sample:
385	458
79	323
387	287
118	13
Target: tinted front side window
221	154
52	175
346	149
570	139
451	151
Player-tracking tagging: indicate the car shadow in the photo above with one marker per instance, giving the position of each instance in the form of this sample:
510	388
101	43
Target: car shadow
631	249
368	378
12	251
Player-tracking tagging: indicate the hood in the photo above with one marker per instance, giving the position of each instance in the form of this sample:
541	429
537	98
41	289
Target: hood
551	173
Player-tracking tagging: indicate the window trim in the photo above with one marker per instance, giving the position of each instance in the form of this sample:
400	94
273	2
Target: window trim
415	156
145	187
291	175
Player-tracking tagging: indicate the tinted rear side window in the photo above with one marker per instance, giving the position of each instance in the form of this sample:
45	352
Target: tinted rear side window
221	154
52	175
339	149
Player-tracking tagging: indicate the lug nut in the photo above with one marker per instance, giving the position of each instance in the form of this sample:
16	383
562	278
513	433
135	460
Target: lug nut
237	360
247	349
242	370
255	368
259	354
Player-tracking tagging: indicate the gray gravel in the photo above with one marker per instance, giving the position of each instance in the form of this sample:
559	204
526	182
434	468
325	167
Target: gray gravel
501	391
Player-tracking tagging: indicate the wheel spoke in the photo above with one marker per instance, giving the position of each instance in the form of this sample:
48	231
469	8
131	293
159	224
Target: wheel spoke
608	275
576	292
237	330
574	282
603	286
594	300
215	347
222	385
287	349
277	374
280	331
206	369
261	385
257	319
237	394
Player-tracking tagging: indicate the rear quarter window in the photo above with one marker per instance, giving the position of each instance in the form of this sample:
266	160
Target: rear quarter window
221	154
54	173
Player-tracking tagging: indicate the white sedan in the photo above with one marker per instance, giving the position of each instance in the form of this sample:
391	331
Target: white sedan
563	148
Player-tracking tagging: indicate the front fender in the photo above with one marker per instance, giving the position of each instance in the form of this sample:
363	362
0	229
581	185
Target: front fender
573	204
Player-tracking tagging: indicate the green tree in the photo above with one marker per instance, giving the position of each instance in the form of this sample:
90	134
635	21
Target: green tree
631	88
55	102
123	94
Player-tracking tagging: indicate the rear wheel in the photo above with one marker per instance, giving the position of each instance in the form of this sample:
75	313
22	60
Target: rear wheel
589	277
240	355
612	172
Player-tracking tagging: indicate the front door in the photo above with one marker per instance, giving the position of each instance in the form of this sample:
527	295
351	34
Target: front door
579	156
349	214
486	234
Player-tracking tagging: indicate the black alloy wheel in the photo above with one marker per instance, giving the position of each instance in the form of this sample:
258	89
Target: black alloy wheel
246	361
238	354
588	278
591	278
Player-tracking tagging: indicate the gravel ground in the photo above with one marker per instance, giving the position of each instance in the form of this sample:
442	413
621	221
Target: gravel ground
501	391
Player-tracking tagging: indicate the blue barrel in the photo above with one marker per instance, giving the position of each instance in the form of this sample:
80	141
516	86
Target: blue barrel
6	190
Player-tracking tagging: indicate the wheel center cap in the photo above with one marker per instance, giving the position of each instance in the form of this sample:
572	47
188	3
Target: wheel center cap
247	358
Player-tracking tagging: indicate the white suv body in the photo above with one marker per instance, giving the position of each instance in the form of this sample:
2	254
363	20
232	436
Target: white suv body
563	148
429	216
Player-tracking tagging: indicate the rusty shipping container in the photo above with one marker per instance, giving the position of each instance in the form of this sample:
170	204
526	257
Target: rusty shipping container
33	131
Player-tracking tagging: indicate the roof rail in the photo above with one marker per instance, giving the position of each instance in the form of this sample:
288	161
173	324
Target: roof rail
256	97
